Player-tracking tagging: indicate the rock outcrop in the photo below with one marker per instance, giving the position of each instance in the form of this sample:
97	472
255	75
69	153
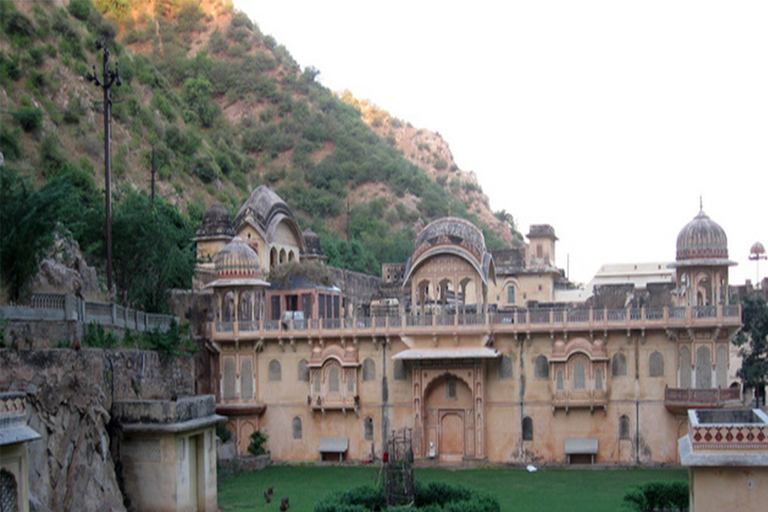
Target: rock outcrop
64	270
70	395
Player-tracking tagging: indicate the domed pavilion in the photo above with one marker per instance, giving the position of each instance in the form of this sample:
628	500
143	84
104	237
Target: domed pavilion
450	269
239	288
702	263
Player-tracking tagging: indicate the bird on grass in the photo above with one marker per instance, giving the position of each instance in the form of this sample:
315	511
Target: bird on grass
284	505
267	497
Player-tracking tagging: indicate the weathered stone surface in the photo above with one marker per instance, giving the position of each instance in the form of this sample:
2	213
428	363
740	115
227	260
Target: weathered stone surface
64	270
70	395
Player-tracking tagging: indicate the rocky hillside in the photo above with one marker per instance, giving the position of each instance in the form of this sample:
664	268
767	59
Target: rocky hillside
220	108
429	151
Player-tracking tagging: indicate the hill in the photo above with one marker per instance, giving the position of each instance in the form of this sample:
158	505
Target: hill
223	108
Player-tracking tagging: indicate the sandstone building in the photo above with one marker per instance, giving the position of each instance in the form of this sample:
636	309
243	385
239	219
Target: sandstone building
475	354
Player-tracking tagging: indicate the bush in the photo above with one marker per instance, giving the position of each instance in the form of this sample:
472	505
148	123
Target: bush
97	337
434	497
657	496
258	438
80	9
29	118
223	433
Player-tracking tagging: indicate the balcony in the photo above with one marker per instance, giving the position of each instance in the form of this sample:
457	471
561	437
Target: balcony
679	400
584	399
524	321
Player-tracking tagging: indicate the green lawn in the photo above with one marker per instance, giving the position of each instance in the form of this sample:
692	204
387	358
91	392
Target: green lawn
551	490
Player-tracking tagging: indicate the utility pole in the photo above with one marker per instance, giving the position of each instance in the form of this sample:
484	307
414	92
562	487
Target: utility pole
105	83
153	176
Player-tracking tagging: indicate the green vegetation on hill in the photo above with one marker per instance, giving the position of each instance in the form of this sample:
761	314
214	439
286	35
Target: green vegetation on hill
224	107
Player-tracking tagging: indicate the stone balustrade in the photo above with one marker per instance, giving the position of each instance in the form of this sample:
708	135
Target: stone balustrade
60	307
519	321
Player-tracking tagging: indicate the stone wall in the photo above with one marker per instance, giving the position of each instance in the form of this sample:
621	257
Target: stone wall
358	289
70	395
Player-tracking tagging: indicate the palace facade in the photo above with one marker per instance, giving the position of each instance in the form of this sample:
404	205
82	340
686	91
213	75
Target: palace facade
474	353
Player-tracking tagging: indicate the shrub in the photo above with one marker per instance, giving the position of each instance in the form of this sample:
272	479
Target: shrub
97	337
258	438
29	118
434	497
657	496
10	144
223	433
80	9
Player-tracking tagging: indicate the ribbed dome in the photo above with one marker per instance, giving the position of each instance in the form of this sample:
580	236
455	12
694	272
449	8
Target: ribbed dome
757	249
237	260
216	222
702	239
455	228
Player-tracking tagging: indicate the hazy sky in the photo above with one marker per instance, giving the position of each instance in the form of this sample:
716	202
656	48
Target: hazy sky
606	119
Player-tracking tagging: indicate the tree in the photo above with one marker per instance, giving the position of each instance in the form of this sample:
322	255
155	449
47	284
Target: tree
28	221
753	342
153	251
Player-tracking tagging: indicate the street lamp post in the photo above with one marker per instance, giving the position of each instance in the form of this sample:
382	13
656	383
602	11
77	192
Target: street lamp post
105	83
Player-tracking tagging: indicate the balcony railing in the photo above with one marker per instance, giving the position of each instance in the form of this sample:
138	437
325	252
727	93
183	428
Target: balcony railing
523	320
580	399
689	398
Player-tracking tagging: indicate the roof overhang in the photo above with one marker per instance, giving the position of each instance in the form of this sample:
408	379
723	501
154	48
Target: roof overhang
447	353
230	283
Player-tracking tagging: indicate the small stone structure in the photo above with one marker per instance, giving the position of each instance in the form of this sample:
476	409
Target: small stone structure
726	452
168	453
14	465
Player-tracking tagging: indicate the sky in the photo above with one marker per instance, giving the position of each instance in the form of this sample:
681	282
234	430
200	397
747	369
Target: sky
609	120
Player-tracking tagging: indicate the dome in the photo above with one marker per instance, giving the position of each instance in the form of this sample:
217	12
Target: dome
702	239
757	250
452	235
216	222
237	261
457	230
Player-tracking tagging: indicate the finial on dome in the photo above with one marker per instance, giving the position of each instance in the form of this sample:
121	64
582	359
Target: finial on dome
701	203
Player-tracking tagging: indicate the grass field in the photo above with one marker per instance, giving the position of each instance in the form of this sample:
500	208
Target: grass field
551	490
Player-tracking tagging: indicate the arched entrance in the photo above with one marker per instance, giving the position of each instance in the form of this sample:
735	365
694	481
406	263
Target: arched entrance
449	419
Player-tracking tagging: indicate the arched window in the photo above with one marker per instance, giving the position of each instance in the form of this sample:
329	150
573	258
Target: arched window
369	369
656	364
275	372
368	429
9	492
333	378
297	428
703	368
511	294
579	375
619	365
624	427
303	371
527	429
541	368
349	376
246	379
450	388
505	367
229	378
685	368
721	367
